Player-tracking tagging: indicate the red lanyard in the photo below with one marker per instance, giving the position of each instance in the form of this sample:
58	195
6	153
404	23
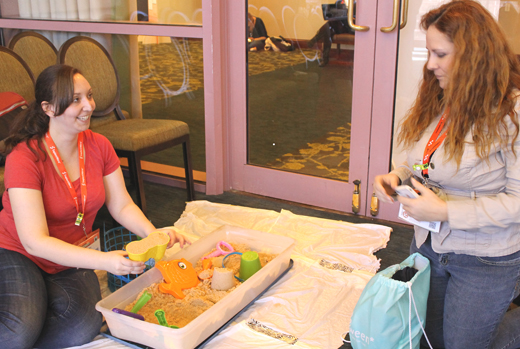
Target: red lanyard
63	171
432	145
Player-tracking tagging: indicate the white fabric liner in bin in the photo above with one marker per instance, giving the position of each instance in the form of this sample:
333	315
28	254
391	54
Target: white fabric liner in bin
311	302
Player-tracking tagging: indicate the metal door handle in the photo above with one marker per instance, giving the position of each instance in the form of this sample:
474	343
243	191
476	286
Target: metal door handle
395	18
404	14
374	205
360	28
355	197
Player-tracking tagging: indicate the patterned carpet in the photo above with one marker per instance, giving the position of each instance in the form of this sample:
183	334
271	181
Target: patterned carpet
170	71
328	158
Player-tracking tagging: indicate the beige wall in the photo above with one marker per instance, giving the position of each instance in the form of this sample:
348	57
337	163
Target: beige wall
172	12
509	19
292	19
178	11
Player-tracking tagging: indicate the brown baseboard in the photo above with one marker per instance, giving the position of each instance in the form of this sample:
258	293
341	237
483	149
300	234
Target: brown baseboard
166	170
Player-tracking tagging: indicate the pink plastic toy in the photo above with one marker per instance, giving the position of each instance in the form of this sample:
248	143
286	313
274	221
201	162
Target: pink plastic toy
220	251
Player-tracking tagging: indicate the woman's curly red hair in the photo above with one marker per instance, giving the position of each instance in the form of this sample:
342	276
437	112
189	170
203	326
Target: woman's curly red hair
480	92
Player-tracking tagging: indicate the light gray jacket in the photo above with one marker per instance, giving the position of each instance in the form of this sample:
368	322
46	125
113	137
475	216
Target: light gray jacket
483	197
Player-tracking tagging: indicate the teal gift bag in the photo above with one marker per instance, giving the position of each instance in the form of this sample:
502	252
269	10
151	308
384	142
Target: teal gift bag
390	314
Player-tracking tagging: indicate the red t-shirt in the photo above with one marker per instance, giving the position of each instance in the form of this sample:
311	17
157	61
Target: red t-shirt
23	170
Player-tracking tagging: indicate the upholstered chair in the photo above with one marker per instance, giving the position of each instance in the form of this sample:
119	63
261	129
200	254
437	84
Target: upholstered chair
15	77
132	138
35	49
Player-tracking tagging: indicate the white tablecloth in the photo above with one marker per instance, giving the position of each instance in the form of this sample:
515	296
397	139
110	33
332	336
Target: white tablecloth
312	302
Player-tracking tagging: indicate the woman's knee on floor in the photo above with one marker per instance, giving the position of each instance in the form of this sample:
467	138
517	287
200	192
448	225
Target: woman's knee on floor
23	300
20	331
73	295
72	318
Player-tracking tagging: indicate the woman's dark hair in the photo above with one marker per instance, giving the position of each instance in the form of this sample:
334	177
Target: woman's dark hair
55	85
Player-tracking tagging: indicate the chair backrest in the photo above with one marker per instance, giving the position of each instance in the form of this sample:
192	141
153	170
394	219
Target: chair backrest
96	65
35	49
15	75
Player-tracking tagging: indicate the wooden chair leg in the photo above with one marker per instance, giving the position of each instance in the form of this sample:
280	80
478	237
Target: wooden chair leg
131	173
134	164
188	170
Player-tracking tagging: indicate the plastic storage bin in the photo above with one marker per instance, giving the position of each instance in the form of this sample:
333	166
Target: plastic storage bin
207	323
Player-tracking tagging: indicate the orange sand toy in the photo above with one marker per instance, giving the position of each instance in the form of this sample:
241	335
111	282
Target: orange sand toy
207	271
178	275
207	264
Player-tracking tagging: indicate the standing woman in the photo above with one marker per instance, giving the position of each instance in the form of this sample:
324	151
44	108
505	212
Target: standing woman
462	138
58	175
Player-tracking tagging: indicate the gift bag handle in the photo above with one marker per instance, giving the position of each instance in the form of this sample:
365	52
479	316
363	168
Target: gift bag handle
410	300
343	336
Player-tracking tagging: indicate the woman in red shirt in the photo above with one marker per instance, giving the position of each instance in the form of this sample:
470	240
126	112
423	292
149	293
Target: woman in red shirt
58	175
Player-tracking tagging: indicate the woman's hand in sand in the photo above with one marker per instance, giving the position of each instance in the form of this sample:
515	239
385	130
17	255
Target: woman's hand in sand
175	236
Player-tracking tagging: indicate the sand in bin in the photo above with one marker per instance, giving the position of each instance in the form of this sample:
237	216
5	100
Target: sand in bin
180	312
141	246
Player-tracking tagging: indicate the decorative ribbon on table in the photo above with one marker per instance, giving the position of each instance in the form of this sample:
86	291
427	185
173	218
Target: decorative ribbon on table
336	266
258	327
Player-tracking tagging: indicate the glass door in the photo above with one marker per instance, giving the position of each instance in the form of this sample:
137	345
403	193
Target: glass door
307	134
158	49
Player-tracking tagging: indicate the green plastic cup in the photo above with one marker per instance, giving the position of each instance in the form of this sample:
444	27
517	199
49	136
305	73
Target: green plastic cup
249	265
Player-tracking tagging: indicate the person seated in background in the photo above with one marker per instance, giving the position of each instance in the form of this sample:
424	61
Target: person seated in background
257	34
58	174
327	31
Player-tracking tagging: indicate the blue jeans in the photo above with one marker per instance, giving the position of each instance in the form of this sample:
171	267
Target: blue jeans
43	310
468	300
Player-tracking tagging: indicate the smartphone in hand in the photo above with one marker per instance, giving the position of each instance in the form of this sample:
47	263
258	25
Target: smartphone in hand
406	191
